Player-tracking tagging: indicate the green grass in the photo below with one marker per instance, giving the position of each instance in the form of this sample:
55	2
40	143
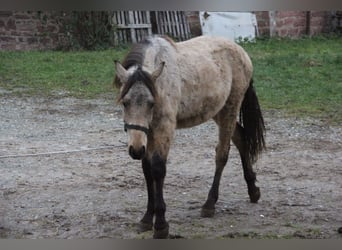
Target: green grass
80	74
302	77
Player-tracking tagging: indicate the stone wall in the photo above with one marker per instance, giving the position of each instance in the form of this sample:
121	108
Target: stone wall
31	30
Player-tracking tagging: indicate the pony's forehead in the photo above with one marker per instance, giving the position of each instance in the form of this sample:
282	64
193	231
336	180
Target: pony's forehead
137	76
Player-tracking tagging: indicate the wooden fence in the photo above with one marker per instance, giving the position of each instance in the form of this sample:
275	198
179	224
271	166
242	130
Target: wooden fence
133	26
174	24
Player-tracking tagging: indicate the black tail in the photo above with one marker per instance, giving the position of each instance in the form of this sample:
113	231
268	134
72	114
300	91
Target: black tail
253	123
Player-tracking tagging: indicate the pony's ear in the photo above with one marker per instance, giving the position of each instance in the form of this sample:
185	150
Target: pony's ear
158	71
121	72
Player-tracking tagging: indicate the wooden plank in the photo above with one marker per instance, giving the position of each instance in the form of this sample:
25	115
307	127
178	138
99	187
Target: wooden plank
172	23
167	22
121	17
144	17
135	17
132	26
162	28
140	20
165	28
123	20
138	34
157	22
178	24
131	20
181	29
148	20
113	22
125	17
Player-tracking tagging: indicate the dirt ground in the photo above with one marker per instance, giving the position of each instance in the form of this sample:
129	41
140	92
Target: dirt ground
65	173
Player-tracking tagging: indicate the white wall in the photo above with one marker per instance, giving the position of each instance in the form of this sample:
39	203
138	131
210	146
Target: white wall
232	25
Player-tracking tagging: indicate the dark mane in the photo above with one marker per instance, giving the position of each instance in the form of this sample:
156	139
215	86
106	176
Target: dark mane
134	57
136	54
138	76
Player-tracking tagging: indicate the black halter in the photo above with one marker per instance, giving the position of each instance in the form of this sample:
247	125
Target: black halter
136	127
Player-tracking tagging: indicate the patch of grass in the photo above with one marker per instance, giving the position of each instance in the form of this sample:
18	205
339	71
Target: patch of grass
302	77
81	74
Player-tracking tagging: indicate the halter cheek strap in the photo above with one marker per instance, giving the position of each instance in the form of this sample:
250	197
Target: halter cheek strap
136	127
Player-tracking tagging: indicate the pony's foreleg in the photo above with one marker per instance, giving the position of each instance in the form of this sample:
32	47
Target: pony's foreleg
158	167
249	174
146	222
222	152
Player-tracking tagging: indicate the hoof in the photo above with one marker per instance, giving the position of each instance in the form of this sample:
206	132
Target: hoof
207	212
144	227
161	233
254	195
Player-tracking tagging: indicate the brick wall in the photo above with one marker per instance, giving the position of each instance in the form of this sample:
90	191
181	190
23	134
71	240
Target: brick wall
30	30
263	21
44	30
294	23
321	22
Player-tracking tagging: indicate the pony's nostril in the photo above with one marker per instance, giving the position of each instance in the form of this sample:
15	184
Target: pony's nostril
131	150
142	151
137	154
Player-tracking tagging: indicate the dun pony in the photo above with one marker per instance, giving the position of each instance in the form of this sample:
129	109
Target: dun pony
166	86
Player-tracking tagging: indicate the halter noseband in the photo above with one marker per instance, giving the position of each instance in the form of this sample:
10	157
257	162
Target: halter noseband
136	127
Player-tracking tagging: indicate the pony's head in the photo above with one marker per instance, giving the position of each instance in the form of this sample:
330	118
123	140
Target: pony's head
138	97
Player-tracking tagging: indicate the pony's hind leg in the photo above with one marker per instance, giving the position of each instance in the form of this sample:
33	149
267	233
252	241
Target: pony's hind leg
249	174
226	127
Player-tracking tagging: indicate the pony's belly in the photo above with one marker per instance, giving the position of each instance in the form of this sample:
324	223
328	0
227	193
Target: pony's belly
199	112
192	121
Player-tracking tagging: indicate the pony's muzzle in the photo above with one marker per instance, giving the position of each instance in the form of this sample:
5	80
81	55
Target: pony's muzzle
137	154
137	141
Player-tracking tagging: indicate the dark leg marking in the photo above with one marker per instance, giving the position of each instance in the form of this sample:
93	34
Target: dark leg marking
158	170
146	222
249	174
